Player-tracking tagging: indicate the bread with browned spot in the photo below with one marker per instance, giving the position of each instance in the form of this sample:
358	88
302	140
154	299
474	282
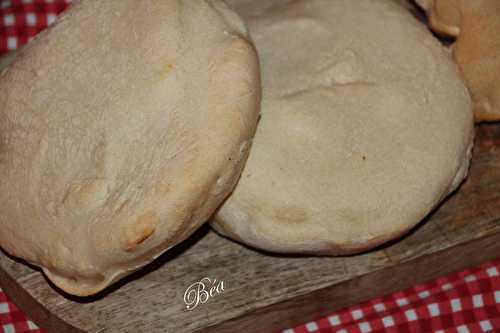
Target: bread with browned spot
121	131
475	25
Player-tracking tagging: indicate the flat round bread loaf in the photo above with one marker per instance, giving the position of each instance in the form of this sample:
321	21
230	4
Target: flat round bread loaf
365	128
476	27
121	132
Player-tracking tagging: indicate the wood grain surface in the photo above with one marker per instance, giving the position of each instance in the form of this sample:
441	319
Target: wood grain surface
265	292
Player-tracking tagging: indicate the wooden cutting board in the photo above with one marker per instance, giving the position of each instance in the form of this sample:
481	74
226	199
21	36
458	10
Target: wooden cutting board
264	292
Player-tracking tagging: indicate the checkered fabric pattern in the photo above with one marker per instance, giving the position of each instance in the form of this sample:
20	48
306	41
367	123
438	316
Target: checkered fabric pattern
20	20
12	320
465	302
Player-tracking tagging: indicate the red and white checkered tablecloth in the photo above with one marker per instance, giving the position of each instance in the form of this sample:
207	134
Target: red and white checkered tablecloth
463	302
13	320
23	19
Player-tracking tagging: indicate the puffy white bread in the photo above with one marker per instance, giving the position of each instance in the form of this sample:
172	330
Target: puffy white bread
476	26
366	127
121	132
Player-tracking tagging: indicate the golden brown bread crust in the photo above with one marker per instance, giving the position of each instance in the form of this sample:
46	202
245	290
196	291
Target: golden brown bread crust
121	131
476	27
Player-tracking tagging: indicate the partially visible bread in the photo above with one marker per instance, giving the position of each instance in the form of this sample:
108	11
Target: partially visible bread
476	26
366	127
121	131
